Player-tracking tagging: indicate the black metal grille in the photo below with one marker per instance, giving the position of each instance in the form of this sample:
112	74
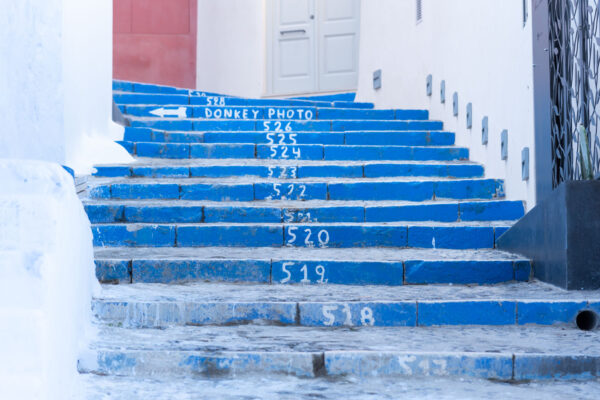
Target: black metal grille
574	65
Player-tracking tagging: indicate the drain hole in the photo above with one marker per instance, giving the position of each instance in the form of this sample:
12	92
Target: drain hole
587	320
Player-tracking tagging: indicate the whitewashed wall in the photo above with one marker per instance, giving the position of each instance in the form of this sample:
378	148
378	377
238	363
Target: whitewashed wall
231	47
483	52
55	75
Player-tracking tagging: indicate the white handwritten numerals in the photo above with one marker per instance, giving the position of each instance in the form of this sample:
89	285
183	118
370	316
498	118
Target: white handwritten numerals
277	126
321	238
290	216
281	138
283	172
215	101
330	311
304	273
285	191
285	152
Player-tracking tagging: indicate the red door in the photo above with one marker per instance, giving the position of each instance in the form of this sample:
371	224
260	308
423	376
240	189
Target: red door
154	41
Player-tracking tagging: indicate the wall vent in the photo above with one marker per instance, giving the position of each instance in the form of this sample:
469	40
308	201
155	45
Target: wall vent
419	10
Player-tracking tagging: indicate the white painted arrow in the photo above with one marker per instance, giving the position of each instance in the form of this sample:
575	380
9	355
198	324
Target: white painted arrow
162	112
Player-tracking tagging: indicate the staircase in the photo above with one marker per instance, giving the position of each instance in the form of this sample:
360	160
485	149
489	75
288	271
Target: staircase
313	237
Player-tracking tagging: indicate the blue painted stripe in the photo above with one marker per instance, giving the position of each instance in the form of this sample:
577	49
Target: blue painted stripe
467	189
153	315
464	312
386	170
180	271
408	138
104	213
112	271
340	171
411	191
556	366
128	235
349	104
163	214
452	237
374	125
217	192
242	214
161	150
341	113
459	272
144	191
394	153
235	236
421	212
324	214
222	150
160	172
217	171
548	313
492	211
112	171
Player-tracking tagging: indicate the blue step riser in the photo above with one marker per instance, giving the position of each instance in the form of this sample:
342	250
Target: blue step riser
294	152
477	211
295	172
387	138
307	236
312	272
224	101
360	364
409	191
272	113
284	125
494	312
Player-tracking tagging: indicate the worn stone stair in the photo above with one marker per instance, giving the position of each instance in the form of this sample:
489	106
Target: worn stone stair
313	237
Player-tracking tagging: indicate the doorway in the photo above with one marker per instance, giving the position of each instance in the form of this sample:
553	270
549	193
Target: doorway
312	46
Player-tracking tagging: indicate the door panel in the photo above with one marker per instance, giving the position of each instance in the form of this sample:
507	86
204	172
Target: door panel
294	52
314	45
339	22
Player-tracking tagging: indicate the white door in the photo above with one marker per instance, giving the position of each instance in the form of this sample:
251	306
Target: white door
314	45
339	22
294	50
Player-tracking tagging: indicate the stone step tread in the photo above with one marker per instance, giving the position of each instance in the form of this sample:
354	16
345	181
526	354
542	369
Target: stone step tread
136	225
253	293
291	253
261	338
280	387
341	120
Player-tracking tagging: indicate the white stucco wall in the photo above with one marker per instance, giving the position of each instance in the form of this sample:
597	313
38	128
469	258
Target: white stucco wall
55	75
483	52
231	47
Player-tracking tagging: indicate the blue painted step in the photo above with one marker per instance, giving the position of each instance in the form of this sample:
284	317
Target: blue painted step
271	113
294	152
401	138
197	212
171	124
293	171
276	266
328	306
222	101
346	235
348	355
361	190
